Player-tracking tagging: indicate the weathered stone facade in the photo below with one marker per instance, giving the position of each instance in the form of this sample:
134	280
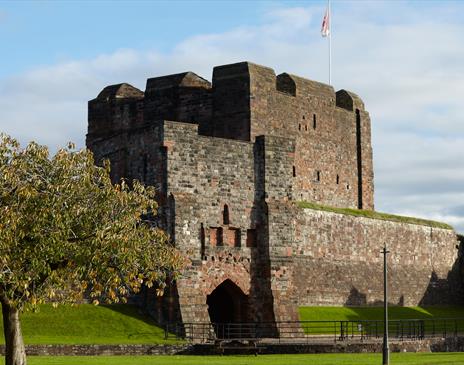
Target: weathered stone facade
229	160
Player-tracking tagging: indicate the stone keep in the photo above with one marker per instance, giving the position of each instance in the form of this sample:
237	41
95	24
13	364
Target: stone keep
230	159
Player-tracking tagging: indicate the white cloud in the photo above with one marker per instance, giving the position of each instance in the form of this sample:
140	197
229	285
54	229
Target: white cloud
407	68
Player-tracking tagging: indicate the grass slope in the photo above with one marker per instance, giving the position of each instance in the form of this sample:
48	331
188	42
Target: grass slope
454	314
376	313
89	324
319	359
374	215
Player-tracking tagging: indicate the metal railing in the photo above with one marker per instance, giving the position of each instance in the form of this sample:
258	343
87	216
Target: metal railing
316	331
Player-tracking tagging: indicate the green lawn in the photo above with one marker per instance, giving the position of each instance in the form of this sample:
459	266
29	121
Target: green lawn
431	315
89	324
319	359
373	313
122	324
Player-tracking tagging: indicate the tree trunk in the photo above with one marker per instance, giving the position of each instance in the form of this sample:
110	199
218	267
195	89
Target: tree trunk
15	352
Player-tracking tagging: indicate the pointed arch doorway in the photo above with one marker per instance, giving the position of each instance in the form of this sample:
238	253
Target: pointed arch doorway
227	304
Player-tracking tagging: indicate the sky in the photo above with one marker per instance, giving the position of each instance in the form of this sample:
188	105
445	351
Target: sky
404	58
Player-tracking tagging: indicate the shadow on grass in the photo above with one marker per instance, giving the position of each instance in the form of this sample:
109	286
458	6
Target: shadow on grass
135	312
132	311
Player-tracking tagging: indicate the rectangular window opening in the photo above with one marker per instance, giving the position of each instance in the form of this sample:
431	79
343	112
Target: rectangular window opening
215	236
233	237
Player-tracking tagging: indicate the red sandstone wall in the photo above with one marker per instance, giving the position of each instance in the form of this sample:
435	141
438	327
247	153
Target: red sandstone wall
326	165
333	154
338	261
203	175
278	255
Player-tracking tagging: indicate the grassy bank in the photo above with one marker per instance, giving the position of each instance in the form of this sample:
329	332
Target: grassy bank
376	313
89	324
319	359
123	324
437	320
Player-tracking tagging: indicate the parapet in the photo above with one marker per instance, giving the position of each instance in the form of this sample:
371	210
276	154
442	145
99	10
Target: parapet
184	97
120	91
299	86
349	100
240	69
243	101
286	84
117	107
184	79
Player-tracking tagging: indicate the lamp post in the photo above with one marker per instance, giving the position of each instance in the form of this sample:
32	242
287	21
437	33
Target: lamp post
386	350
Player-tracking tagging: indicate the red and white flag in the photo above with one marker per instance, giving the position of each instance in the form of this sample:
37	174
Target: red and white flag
325	29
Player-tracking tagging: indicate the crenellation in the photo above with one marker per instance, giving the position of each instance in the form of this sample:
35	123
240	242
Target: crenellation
116	108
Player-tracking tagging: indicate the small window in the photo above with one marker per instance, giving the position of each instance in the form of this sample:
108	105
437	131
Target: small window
304	117
338	179
219	237
314	121
347	186
233	237
294	171
318	176
225	214
202	239
215	236
306	127
299	127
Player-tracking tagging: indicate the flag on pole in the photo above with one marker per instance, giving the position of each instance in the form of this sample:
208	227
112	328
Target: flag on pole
325	29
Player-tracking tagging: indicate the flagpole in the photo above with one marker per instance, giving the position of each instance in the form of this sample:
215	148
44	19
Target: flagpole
326	31
330	42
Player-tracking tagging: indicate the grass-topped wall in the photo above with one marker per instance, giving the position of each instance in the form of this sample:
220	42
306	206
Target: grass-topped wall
374	215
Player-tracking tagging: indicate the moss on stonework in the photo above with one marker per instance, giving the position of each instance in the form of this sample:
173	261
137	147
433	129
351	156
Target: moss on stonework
374	215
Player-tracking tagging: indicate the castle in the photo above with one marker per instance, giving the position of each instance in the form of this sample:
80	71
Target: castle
231	161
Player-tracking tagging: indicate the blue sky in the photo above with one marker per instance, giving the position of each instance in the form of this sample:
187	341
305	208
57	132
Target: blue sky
405	59
35	33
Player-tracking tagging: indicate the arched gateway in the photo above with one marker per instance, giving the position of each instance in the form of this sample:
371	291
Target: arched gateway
227	304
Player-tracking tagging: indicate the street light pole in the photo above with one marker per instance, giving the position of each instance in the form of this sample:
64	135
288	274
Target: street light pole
386	350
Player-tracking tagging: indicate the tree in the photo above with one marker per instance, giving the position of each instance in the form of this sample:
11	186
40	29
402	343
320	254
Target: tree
67	232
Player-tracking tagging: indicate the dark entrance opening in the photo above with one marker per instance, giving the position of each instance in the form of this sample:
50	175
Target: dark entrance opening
227	304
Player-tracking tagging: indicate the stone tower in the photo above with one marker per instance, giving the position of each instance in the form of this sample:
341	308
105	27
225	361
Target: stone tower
230	160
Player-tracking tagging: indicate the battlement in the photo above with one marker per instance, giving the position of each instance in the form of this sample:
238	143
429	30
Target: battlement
331	130
222	108
184	79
